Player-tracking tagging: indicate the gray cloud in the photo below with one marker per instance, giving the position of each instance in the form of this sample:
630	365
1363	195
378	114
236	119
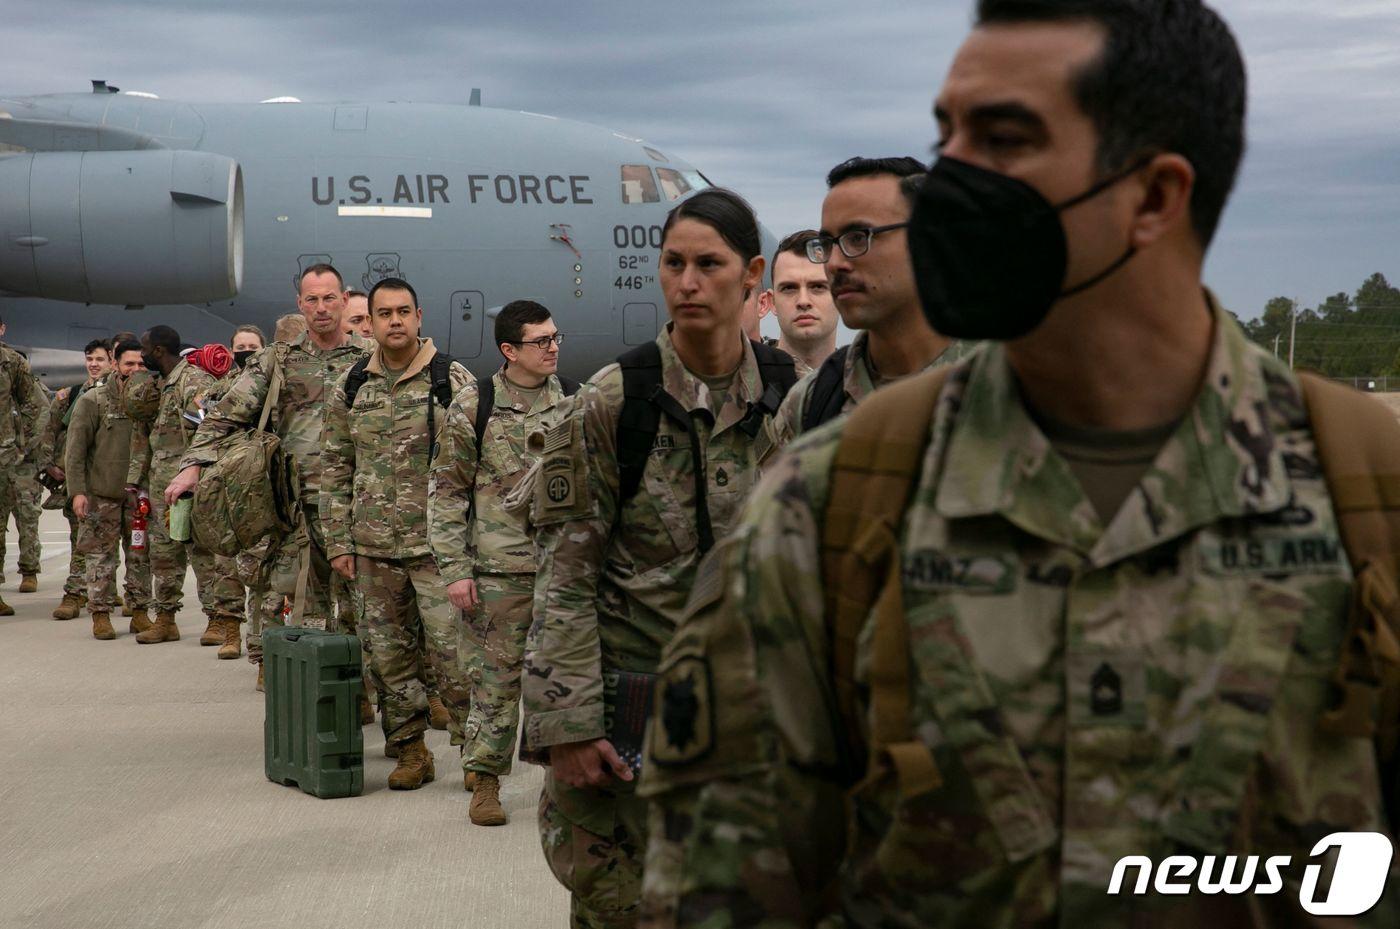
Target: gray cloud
767	97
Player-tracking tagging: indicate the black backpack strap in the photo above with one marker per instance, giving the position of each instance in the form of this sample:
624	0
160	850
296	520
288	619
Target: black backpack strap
355	379
778	373
669	405
485	403
440	374
440	389
827	394
640	418
567	386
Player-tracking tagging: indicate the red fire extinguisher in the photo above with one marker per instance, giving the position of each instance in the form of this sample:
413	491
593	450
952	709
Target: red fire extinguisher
138	523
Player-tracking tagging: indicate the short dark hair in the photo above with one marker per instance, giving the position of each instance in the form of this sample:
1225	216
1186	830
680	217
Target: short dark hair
165	337
1170	79
124	336
796	243
903	166
392	283
352	292
95	344
320	267
128	345
515	316
725	212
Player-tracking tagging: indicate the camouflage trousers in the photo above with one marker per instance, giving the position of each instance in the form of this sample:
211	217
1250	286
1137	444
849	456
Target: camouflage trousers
7	498
325	599
595	843
26	495
493	651
106	535
220	594
76	584
406	598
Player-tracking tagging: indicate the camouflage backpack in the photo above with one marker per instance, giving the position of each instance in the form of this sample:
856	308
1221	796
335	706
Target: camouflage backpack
877	464
252	490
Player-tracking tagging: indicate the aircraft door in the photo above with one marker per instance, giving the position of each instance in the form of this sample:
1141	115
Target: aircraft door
466	314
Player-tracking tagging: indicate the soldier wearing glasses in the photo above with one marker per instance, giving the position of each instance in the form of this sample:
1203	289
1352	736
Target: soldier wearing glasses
485	552
862	246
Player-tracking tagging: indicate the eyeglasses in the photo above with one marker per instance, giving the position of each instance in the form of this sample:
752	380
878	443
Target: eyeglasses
853	242
544	342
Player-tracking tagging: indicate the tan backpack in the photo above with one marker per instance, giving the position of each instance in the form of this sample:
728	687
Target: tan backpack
877	465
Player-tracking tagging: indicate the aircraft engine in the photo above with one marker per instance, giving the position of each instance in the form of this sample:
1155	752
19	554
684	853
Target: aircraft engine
129	227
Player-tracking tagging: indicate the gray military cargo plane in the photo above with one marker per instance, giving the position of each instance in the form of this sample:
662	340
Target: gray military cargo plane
119	211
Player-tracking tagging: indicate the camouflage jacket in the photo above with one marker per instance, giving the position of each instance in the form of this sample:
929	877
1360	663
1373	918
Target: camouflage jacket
21	401
613	578
56	421
98	452
857	383
375	461
1150	687
309	375
471	531
215	391
156	448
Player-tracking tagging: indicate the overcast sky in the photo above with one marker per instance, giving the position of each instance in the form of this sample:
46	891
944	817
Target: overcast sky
766	97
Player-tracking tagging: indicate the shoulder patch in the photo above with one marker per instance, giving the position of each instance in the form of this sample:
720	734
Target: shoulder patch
684	728
561	491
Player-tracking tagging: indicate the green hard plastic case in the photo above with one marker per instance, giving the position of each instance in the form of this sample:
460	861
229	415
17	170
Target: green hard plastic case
311	732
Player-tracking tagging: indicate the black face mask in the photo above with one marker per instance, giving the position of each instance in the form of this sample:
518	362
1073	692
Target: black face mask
989	252
151	366
241	358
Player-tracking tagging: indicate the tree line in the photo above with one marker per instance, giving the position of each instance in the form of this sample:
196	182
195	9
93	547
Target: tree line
1345	336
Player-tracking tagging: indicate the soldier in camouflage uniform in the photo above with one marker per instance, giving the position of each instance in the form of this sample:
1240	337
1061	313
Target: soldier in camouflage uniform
19	394
311	365
97	356
801	299
1120	634
486	552
156	450
28	494
377	452
226	633
614	573
97	458
872	282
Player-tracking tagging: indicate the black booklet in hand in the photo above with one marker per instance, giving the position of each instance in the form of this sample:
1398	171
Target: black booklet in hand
627	700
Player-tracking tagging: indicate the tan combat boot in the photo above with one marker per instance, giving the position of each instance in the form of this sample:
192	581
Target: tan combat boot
213	633
437	713
127	608
164	630
28	584
259	686
102	626
232	646
366	711
71	606
391	749
486	809
469	781
140	622
415	767
5	608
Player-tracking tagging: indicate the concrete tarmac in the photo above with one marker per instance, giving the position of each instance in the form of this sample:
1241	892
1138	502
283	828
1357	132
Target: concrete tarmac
132	794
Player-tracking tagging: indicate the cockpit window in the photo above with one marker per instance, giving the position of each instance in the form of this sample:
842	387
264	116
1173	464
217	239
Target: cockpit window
638	186
673	183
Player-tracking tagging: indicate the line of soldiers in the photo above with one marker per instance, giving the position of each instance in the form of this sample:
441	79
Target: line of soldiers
984	629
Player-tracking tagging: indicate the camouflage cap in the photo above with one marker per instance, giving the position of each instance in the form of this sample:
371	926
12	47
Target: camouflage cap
142	397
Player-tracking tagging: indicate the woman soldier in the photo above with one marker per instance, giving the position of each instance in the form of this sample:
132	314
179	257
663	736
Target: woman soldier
649	468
